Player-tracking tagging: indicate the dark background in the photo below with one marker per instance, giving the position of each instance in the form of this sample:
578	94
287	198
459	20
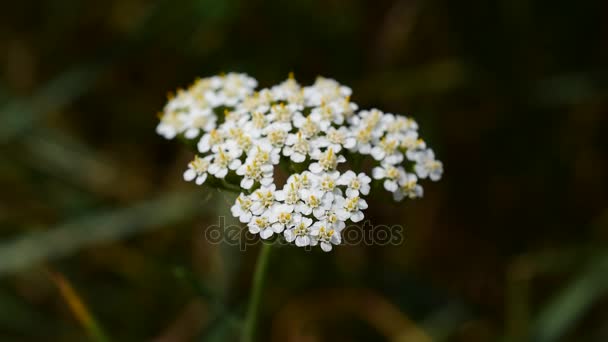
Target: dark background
101	236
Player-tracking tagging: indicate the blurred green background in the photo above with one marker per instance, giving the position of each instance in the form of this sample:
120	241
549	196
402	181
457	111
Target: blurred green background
101	238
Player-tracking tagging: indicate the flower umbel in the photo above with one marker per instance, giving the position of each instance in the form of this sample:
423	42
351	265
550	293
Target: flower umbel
244	138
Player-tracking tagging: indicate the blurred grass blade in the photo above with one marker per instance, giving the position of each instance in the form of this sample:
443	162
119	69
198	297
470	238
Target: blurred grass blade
54	153
568	306
65	239
442	323
78	308
20	317
19	115
224	319
222	328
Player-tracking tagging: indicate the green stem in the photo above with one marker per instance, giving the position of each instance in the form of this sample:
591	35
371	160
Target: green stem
230	187
256	293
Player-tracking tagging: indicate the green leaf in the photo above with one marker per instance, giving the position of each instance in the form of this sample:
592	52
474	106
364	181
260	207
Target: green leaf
573	301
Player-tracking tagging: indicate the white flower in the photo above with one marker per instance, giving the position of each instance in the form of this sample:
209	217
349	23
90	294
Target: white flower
171	124
255	172
197	169
325	115
327	182
325	90
235	88
289	195
325	236
315	202
427	166
304	180
287	89
307	125
363	136
408	187
396	124
281	113
210	141
261	225
263	199
344	106
284	217
350	208
327	161
238	145
387	151
257	123
297	147
242	208
299	128
412	144
264	153
356	184
390	174
199	120
276	134
222	161
300	233
331	218
336	138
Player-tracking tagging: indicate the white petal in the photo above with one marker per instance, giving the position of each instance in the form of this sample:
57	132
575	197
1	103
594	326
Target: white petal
318	212
362	204
289	235
278	228
394	159
302	241
377	153
352	192
245	217
364	189
357	216
378	173
266	233
315	168
435	176
266	181
349	143
234	164
191	133
221	173
298	157
419	191
189	175
213	169
266	168
343	214
246	183
201	179
326	247
390	185
280	195
421	171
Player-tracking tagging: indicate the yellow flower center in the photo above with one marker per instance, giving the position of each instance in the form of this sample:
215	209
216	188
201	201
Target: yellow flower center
352	204
329	161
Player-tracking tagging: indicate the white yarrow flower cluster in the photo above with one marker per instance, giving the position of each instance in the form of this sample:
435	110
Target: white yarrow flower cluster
244	137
